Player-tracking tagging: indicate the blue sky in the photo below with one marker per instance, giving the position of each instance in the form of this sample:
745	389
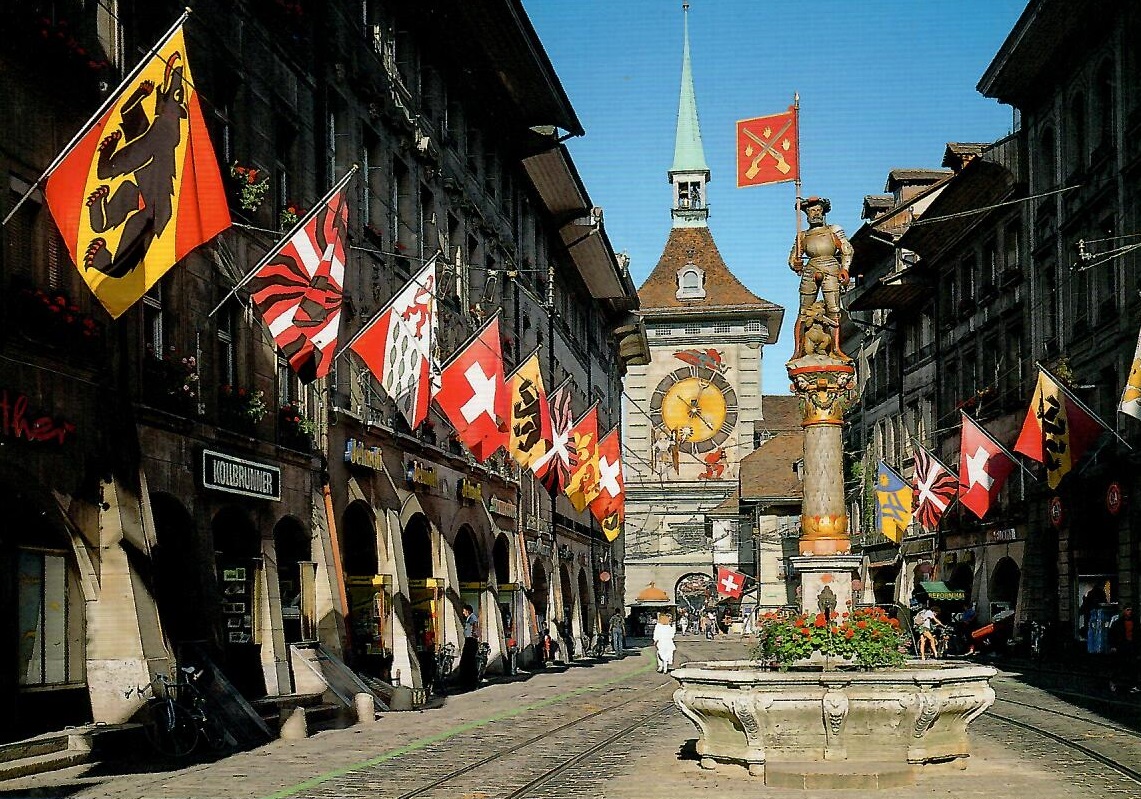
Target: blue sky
883	85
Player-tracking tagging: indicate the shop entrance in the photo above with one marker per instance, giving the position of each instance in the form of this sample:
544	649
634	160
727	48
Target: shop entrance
540	591
471	571
1004	586
568	606
501	562
586	604
238	558
369	593
294	550
425	594
179	575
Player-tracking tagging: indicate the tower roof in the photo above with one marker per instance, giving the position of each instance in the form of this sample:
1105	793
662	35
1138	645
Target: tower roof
689	155
723	291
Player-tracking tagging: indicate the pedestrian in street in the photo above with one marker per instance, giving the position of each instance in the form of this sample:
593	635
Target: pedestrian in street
664	642
925	622
710	624
684	622
617	628
468	668
1123	646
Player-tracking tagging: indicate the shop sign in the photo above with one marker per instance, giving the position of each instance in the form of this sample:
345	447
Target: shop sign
1005	534
17	422
537	523
236	476
360	454
502	507
536	546
1056	511
1113	498
470	489
419	474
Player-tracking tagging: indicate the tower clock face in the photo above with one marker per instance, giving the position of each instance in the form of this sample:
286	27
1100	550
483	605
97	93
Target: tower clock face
696	406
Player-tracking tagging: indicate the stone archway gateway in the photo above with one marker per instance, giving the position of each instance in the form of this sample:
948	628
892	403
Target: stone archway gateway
694	592
1003	588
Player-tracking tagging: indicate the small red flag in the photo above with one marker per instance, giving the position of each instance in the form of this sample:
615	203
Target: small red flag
983	467
609	507
730	583
473	394
768	149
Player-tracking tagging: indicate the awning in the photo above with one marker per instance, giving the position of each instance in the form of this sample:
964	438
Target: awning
940	590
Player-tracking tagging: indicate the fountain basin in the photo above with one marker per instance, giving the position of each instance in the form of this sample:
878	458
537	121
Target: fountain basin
843	724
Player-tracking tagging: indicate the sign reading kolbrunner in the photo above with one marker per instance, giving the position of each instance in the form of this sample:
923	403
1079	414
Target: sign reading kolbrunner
236	476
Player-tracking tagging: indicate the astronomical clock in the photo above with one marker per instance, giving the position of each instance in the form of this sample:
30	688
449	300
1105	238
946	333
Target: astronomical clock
694	412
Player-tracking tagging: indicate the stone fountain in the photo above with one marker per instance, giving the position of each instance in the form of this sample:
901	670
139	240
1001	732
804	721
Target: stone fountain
811	726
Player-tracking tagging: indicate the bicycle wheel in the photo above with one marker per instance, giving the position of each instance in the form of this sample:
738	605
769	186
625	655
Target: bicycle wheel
214	733
170	729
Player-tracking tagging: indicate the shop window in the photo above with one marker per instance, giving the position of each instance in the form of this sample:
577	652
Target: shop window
47	614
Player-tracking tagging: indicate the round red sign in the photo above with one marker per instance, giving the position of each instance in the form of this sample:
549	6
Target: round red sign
1056	511
1113	498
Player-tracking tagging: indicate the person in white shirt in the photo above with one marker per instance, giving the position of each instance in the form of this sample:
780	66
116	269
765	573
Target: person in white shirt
664	642
925	621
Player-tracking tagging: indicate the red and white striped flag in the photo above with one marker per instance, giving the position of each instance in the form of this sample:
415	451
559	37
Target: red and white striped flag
298	287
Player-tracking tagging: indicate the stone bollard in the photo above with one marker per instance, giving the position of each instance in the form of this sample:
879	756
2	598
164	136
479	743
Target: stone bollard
293	724
365	706
401	698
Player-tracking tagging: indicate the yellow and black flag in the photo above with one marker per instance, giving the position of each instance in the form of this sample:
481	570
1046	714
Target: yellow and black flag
140	188
530	431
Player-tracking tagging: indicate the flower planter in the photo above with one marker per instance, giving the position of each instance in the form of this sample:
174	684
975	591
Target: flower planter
855	723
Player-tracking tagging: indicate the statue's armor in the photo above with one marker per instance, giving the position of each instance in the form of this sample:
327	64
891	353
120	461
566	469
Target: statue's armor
822	272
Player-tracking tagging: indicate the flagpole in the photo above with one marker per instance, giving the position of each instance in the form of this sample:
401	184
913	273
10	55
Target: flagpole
378	314
302	222
112	98
1080	404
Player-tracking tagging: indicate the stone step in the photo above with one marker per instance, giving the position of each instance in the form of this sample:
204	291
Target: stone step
33	747
825	775
40	764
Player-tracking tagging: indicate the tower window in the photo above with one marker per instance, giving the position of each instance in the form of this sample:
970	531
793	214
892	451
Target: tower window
690	283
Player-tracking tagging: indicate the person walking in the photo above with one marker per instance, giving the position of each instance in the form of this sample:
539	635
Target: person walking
617	628
1123	636
710	625
925	621
683	622
664	642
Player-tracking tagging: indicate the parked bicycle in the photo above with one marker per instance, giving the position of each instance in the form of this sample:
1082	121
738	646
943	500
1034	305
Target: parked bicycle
177	718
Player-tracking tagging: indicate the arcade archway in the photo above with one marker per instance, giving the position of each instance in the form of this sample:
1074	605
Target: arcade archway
237	544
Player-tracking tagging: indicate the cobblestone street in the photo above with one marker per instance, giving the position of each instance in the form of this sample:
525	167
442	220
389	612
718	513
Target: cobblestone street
610	730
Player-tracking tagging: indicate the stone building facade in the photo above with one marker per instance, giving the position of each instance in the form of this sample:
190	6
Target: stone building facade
186	496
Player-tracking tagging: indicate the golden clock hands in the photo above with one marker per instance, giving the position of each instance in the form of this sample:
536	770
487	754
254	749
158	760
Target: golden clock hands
704	421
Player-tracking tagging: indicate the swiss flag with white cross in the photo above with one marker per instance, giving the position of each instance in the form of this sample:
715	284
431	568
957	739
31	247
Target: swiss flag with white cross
730	583
473	393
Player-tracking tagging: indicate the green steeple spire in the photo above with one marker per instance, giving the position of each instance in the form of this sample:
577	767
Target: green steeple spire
689	155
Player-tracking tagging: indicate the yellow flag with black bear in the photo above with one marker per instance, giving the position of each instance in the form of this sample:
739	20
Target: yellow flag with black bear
141	188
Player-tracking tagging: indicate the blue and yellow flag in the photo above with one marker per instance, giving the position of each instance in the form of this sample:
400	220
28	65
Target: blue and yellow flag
893	503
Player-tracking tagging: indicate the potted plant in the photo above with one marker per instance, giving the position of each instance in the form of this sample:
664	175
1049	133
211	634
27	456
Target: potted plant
241	409
294	429
251	190
290	215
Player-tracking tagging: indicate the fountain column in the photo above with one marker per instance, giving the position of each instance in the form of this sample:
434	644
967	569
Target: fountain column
826	388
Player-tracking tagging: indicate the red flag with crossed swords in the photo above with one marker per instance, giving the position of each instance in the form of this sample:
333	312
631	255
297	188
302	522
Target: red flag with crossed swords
768	149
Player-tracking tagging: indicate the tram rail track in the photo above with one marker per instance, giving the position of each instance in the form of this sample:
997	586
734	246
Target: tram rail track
1105	760
1117	728
548	774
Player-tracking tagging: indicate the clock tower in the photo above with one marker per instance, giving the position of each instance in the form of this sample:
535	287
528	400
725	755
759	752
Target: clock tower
690	413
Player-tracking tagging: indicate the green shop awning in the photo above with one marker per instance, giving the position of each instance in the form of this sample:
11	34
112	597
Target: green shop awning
937	589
